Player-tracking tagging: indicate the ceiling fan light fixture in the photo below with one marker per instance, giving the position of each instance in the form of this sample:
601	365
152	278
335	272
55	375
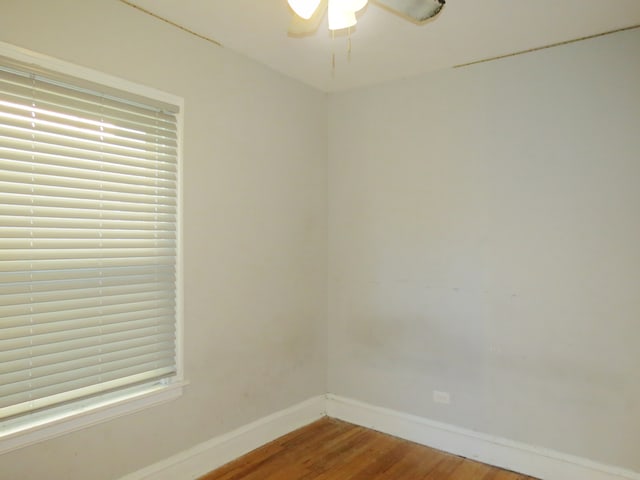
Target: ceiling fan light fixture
355	5
304	8
340	15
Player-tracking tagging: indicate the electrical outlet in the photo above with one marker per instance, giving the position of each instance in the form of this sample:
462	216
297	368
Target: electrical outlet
441	397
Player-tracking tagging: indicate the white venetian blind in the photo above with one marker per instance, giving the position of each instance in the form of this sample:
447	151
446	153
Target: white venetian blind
88	205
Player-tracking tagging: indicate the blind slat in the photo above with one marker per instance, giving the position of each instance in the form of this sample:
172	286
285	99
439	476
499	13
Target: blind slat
22	125
50	374
37	171
31	89
15	107
121	349
81	389
147	329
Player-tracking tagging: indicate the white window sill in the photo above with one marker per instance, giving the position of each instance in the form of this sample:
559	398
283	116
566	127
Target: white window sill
55	422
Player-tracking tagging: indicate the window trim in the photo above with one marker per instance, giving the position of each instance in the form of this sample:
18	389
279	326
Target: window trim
60	420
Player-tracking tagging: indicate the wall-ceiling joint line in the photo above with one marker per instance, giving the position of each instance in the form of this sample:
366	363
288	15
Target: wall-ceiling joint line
173	24
544	47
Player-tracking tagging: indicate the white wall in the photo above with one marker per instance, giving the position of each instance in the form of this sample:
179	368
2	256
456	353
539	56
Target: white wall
484	240
255	233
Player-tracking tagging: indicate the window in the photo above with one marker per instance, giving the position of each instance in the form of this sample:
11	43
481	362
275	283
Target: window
89	235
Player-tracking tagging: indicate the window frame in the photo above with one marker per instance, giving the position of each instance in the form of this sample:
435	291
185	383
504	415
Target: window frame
59	420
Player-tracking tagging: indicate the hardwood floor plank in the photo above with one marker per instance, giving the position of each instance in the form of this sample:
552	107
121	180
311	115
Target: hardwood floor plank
379	461
415	463
330	449
495	474
471	470
363	450
443	469
235	469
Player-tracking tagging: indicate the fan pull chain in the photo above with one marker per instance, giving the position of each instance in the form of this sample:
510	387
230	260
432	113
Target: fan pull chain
333	54
349	45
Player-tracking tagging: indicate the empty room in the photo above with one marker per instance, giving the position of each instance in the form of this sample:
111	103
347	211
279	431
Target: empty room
324	239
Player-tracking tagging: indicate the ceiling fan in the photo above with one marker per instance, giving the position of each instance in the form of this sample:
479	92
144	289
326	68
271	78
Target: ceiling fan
342	13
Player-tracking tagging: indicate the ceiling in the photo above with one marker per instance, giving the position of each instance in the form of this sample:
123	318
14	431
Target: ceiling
385	46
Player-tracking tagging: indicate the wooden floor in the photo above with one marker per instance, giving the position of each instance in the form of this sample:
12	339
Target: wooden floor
333	450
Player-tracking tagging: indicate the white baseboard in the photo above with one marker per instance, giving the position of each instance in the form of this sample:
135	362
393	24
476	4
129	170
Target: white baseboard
207	456
534	461
537	462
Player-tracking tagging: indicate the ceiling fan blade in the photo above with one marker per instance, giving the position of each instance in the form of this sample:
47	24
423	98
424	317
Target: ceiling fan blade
300	27
417	11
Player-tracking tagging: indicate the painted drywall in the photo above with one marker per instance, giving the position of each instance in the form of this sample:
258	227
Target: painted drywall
484	240
254	233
